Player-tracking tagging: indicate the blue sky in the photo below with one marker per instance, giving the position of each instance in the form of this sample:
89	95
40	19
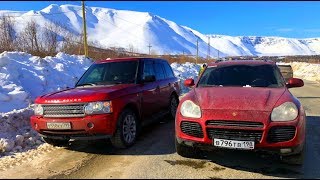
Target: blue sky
268	18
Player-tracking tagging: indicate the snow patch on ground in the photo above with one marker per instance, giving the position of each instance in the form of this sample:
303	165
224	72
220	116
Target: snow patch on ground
16	134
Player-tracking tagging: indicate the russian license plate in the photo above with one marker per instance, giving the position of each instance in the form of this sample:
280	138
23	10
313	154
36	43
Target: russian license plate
233	144
58	125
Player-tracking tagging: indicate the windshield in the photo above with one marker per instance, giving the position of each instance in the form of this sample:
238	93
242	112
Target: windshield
110	73
242	75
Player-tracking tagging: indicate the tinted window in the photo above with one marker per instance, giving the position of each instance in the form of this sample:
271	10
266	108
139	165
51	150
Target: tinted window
110	73
148	68
168	70
159	70
242	75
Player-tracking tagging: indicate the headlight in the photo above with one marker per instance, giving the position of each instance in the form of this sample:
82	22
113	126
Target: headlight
38	109
287	111
190	109
98	107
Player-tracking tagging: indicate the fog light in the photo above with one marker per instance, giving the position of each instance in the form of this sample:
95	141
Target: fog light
90	125
188	143
285	151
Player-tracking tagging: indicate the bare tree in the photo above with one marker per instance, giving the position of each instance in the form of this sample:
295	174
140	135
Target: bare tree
29	39
7	33
50	38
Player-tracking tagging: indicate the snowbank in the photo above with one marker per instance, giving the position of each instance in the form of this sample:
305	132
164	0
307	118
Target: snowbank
23	77
185	71
305	70
16	134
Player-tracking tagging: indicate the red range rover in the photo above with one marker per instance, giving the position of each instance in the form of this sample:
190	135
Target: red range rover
113	99
243	105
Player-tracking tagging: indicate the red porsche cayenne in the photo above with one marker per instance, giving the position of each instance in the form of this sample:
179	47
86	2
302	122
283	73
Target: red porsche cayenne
244	105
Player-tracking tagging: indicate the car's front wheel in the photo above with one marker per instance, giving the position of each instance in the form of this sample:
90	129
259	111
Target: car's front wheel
174	102
126	132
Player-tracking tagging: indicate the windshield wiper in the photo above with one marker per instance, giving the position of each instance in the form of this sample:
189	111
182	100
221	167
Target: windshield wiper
86	84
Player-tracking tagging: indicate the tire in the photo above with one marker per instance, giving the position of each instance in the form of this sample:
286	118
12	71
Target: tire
56	142
186	151
174	102
127	130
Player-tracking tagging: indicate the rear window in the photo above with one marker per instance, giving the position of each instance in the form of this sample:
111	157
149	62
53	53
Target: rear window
242	75
159	70
168	70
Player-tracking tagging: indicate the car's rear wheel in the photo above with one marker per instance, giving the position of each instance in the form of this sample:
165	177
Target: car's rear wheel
174	102
126	132
56	142
186	151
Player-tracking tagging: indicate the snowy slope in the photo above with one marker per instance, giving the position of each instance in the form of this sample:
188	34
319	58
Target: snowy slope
127	29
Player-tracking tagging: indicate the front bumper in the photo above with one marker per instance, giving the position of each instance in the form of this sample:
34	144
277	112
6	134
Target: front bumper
203	137
84	128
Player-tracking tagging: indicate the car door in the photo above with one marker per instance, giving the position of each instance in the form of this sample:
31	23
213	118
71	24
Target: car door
162	85
150	93
170	81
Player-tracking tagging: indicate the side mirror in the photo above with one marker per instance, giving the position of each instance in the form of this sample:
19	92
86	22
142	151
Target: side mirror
294	82
150	78
189	82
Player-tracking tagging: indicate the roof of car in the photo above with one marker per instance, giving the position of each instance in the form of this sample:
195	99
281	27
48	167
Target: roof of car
124	59
241	62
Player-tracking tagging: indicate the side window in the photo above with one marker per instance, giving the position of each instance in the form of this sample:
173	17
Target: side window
168	70
159	70
96	75
148	69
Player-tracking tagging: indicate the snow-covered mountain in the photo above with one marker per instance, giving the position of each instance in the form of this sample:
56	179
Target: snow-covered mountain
137	30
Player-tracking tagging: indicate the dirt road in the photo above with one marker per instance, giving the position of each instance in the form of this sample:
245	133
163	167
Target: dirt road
154	156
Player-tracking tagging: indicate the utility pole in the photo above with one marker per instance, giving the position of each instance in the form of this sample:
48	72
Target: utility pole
208	56
84	30
149	48
197	51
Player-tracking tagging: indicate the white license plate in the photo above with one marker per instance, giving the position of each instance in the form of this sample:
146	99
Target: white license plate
233	144
58	125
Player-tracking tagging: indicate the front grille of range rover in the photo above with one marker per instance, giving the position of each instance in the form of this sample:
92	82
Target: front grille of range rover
58	111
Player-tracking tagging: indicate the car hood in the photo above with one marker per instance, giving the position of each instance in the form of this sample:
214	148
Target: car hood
238	98
88	94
